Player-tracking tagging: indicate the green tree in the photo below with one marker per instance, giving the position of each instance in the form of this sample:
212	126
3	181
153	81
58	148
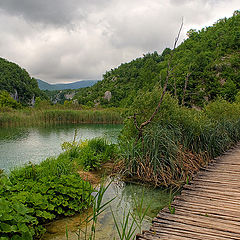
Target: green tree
7	101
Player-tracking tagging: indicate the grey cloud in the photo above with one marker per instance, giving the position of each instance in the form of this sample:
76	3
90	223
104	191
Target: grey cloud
151	27
182	2
56	12
37	36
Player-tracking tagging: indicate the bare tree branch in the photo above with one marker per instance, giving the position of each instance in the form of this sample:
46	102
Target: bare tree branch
169	70
135	120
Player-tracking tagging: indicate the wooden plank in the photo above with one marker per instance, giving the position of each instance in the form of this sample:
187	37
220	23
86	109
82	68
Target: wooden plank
222	163
210	189
201	196
214	169
209	196
208	203
212	209
208	212
206	222
158	226
224	166
216	197
226	177
210	175
168	235
174	236
191	234
219	172
211	217
208	208
216	182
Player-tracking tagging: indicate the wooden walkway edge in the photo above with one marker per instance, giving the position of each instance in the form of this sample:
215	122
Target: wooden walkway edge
208	208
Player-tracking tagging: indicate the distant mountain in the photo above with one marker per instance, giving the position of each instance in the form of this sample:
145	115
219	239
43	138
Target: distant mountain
75	85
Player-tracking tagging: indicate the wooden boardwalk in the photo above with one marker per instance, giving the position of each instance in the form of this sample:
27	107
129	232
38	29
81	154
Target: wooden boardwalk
208	208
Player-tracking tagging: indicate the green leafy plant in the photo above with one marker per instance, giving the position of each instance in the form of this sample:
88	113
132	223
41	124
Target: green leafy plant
16	220
44	191
89	154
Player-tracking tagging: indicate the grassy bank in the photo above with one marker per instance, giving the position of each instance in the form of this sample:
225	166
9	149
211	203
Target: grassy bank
30	117
33	195
179	141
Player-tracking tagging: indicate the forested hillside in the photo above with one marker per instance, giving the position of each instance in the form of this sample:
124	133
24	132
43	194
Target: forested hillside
17	82
206	65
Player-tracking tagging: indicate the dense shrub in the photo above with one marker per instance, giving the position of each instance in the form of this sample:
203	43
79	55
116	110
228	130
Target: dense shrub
16	221
89	154
35	198
6	101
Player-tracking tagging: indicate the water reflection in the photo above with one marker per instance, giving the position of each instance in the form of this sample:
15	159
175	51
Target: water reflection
21	145
12	134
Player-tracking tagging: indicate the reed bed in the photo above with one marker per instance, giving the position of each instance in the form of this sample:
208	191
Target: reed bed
30	117
179	143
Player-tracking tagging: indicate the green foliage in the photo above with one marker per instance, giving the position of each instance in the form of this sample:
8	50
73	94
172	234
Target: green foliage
89	154
210	57
44	199
125	232
123	82
221	110
42	103
17	81
59	96
237	97
132	221
52	196
179	140
16	220
36	194
7	101
229	90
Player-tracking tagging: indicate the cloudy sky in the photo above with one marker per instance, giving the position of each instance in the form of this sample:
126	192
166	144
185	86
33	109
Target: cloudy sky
70	40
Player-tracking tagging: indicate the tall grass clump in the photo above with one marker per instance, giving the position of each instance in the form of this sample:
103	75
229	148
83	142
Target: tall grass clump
89	154
179	141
